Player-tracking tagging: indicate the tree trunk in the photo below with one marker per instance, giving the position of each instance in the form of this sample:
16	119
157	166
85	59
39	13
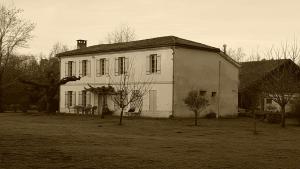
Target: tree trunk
283	116
121	116
1	95
196	118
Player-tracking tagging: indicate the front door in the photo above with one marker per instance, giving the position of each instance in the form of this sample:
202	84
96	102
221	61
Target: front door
152	101
100	104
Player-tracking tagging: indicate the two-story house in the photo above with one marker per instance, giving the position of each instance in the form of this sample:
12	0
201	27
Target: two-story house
175	66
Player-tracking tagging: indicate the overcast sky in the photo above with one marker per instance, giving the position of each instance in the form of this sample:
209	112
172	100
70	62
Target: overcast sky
250	24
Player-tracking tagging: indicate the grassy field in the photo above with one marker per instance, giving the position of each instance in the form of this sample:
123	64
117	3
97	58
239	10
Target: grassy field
58	141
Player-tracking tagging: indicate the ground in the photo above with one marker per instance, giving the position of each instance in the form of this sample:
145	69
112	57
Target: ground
60	141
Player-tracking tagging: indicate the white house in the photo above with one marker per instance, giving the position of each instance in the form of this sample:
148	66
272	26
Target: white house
175	66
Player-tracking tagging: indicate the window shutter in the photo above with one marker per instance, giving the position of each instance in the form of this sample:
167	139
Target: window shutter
116	66
66	99
158	63
88	99
66	69
88	71
126	66
106	67
80	98
73	68
148	64
80	68
73	98
97	67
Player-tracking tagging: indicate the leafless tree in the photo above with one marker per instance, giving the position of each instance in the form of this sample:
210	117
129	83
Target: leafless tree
58	48
15	32
130	87
238	54
122	34
282	82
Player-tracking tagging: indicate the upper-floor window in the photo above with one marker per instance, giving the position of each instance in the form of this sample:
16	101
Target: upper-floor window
269	101
153	64
70	68
121	65
85	68
102	67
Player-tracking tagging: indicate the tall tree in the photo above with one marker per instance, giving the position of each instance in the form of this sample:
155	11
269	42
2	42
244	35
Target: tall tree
122	34
15	32
237	54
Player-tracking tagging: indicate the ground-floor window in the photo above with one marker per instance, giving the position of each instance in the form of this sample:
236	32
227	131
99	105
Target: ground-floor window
70	99
152	100
84	98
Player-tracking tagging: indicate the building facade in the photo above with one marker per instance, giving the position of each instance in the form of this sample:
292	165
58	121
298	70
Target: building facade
173	66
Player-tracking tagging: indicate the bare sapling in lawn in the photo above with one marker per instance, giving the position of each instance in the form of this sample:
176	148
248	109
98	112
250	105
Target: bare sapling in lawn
196	102
283	82
130	88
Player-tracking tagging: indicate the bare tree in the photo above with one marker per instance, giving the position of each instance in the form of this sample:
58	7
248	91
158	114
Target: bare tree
122	34
196	102
238	54
15	32
282	82
58	48
130	87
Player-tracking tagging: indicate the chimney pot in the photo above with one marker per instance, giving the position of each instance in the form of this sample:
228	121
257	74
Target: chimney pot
224	48
81	43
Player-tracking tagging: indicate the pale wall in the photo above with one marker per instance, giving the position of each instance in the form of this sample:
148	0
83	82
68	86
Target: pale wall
195	69
161	82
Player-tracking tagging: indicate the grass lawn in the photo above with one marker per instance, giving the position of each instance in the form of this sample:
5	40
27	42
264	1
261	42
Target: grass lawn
58	141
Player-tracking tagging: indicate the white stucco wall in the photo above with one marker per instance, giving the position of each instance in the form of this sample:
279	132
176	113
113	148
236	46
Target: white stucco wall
161	82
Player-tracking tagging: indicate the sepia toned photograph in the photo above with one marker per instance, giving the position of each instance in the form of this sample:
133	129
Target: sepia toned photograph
159	84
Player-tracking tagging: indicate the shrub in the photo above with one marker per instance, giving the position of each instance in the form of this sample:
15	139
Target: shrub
211	115
274	118
297	110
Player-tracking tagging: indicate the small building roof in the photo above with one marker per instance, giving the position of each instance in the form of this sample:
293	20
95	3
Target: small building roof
253	71
165	41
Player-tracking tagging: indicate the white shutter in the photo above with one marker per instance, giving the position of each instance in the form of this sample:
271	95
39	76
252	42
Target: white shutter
66	69
158	63
66	98
97	67
148	65
80	98
88	98
116	66
106	67
73	68
88	71
73	98
80	68
126	65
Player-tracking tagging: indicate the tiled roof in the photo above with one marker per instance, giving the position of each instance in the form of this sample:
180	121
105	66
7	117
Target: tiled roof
251	72
165	41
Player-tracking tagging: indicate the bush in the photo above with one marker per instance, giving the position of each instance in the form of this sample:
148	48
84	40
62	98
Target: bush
297	110
211	115
274	118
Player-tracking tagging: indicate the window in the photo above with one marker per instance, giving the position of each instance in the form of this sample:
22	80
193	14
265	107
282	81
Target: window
70	99
102	67
202	92
269	101
121	65
84	98
70	68
84	68
153	64
213	94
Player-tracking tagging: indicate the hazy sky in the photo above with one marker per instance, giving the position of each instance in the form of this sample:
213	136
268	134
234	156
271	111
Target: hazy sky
250	24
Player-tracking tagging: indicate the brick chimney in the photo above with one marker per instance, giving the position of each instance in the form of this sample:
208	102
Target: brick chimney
81	43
